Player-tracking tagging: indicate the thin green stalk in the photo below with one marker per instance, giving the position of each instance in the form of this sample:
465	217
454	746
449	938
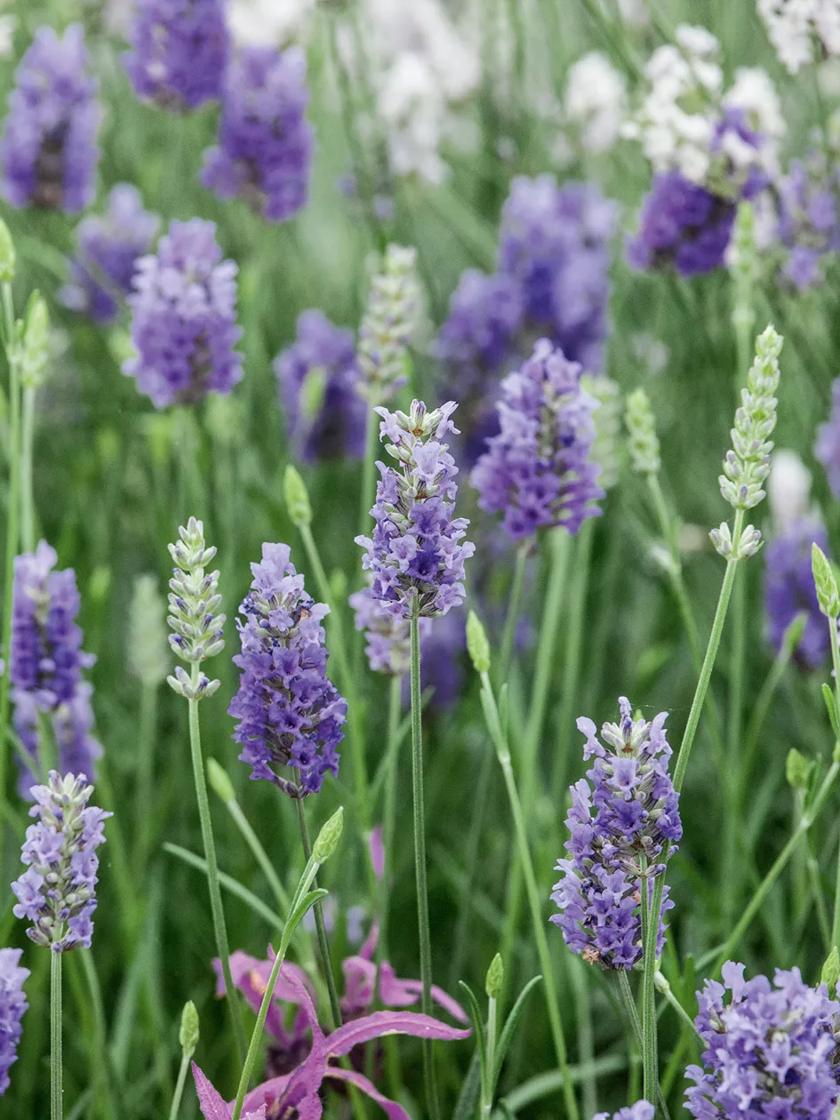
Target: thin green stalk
732	778
585	1034
523	852
420	860
761	707
231	885
650	930
146	741
99	1052
572	657
512	617
179	1087
259	853
835	661
320	927
216	907
56	1058
27	498
684	1017
389	814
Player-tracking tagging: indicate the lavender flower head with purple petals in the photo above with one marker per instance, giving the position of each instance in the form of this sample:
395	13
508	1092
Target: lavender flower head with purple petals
387	636
72	727
789	590
683	225
641	1110
770	1049
623	819
288	711
184	326
539	470
48	150
107	249
57	892
13	1006
179	51
827	448
318	379
264	154
417	552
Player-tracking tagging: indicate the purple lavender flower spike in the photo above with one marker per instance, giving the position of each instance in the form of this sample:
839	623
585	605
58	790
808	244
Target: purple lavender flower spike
48	150
827	448
57	892
681	225
179	51
417	553
264	153
789	590
13	1005
539	471
770	1049
108	247
318	379
809	219
641	1110
387	637
184	318
72	728
289	713
622	819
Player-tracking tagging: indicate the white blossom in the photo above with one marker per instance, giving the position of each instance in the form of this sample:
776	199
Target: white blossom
595	101
801	29
269	22
788	489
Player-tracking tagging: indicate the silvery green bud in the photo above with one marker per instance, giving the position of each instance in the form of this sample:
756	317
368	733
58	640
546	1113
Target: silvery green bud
825	582
35	344
797	769
148	648
643	442
495	977
194	604
477	645
606	448
830	974
296	497
329	837
188	1034
389	322
218	778
181	682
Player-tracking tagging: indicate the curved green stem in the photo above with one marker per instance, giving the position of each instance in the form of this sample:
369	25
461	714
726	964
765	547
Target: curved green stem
179	1087
572	657
259	853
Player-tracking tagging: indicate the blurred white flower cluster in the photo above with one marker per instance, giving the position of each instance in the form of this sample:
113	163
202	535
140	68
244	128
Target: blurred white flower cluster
595	101
800	29
788	489
269	22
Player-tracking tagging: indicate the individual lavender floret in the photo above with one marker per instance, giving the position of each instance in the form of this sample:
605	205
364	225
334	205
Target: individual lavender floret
770	1049
264	154
681	225
391	318
641	1110
49	151
57	892
184	318
623	820
107	249
71	725
827	447
13	1006
417	552
789	590
179	51
194	617
539	470
318	379
809	219
288	711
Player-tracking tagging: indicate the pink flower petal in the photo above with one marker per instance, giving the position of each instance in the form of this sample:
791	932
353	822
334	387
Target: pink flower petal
381	1023
392	1110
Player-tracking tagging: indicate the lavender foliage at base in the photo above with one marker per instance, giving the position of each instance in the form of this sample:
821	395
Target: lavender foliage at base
48	150
681	225
179	51
789	590
288	711
183	324
770	1049
318	379
264	153
13	1006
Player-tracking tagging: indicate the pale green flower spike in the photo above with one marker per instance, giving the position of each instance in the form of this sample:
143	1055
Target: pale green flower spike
148	648
606	448
390	321
642	440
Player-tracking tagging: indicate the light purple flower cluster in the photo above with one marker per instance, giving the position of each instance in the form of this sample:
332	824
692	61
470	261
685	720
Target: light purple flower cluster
57	892
681	224
539	470
641	1110
318	379
623	819
417	552
809	219
72	728
184	318
107	249
289	713
179	51
827	447
387	636
264	153
13	1006
49	151
770	1049
789	590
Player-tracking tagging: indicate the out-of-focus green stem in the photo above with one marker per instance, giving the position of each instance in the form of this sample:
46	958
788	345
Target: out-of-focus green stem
320	927
99	1049
512	616
835	661
12	532
27	496
389	814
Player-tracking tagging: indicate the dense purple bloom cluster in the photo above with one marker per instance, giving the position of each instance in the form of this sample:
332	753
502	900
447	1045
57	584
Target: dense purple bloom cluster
184	318
539	470
623	819
417	552
681	224
827	448
809	219
770	1049
289	713
179	51
49	151
107	249
318	379
641	1110
13	1006
789	590
57	892
264	153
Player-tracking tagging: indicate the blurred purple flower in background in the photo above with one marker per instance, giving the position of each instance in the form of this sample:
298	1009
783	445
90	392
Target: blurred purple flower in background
827	447
13	1006
681	224
809	218
179	51
789	590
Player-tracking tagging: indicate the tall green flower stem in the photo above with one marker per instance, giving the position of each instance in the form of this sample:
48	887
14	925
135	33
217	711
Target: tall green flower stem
27	498
835	661
146	743
513	611
101	1061
419	816
500	742
389	814
320	927
214	890
767	692
56	1057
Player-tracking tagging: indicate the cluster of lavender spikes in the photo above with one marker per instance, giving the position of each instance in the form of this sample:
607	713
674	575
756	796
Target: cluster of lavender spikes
770	1049
13	1006
417	553
57	892
539	470
288	711
622	820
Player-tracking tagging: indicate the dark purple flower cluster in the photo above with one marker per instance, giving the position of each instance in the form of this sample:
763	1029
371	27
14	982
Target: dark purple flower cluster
539	470
809	219
827	447
770	1049
49	151
13	1006
57	892
683	225
789	590
641	1110
179	51
318	379
264	153
184	318
417	552
623	819
289	713
107	249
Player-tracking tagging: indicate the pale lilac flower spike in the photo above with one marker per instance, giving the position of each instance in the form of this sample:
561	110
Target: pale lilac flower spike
13	1005
639	1111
